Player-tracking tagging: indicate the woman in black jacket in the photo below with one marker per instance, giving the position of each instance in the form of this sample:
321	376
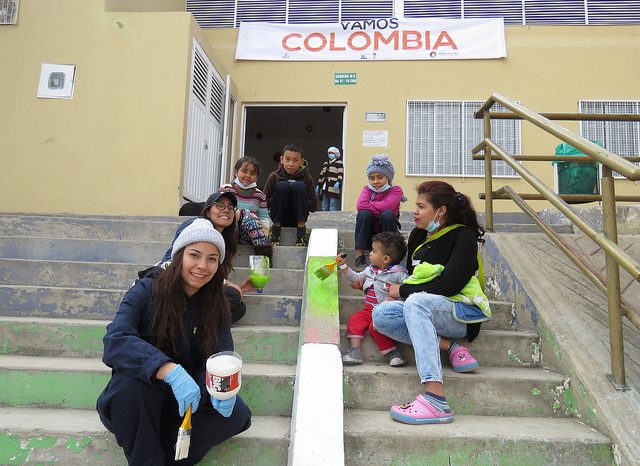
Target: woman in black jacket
166	327
447	233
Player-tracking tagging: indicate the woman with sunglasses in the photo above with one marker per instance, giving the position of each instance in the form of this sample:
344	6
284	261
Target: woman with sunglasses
220	209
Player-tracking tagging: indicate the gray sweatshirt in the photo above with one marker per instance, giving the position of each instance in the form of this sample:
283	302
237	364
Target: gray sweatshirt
380	282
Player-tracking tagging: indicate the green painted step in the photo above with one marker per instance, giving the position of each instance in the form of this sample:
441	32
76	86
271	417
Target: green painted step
87	303
45	382
490	391
372	437
83	339
72	436
507	348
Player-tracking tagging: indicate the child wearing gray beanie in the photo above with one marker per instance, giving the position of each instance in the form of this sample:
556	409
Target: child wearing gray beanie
200	230
378	206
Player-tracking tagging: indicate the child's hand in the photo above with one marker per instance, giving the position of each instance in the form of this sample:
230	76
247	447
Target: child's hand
341	259
394	291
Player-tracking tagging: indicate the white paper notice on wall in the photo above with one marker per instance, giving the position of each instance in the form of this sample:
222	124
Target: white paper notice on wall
375	138
56	81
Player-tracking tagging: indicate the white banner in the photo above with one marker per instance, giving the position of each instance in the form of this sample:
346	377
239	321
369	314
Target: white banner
376	39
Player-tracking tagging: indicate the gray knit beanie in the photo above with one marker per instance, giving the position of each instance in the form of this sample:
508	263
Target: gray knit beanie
200	230
380	163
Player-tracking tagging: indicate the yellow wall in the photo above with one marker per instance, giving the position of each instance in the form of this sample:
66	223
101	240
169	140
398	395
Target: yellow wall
548	69
117	146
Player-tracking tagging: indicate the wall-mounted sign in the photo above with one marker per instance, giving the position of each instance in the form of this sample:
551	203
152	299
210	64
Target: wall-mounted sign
374	39
375	116
56	81
345	78
375	138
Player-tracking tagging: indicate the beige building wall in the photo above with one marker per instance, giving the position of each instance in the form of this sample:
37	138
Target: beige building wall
117	147
548	69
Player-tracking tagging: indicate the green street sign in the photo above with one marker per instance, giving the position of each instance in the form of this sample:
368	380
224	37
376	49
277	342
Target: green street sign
344	78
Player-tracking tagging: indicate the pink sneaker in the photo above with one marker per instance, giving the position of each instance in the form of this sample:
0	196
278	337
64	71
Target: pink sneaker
420	411
461	360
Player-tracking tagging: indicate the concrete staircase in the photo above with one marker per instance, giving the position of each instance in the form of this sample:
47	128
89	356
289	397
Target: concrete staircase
61	279
510	411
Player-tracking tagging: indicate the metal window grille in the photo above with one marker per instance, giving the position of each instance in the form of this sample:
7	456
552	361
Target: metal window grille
318	11
8	11
613	12
354	10
229	13
510	10
620	137
441	134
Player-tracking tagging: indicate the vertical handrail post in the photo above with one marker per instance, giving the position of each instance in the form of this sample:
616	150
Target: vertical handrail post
488	175
610	229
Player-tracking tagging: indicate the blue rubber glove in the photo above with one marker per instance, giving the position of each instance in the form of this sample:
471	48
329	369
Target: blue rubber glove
185	389
337	185
224	407
317	190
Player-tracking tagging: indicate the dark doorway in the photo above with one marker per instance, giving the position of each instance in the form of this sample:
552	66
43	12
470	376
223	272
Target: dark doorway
314	128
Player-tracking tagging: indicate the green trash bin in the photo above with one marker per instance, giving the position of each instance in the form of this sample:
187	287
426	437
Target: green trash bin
576	177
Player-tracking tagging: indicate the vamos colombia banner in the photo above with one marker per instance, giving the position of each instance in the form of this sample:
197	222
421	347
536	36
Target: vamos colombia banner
375	39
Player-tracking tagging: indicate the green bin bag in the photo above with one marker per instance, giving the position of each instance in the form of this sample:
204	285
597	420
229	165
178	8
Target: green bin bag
576	177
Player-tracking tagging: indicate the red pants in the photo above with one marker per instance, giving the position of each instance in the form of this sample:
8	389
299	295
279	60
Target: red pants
359	322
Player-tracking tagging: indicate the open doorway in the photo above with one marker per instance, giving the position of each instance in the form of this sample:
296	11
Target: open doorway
313	127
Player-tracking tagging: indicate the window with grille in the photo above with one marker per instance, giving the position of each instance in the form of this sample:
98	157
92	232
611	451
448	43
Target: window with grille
620	137
229	13
8	11
441	134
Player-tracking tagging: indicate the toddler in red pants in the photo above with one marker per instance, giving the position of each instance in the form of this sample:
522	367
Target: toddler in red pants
387	251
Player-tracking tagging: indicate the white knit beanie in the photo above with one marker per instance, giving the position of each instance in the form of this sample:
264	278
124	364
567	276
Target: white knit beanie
334	150
200	230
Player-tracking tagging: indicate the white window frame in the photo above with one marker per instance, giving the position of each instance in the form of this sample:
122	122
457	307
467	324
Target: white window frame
608	129
495	126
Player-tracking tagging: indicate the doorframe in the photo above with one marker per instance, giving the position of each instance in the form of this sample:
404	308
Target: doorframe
344	105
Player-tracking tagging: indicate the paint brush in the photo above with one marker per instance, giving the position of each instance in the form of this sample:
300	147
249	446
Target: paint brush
184	437
327	269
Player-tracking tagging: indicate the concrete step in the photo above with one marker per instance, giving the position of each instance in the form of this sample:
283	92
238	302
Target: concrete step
80	338
372	437
117	276
88	303
502	348
503	313
123	251
45	382
489	391
91	227
73	436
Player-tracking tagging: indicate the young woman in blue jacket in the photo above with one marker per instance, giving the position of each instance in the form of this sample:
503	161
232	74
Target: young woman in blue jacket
166	327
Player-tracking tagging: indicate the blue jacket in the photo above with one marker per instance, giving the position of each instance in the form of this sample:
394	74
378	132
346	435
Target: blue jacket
129	345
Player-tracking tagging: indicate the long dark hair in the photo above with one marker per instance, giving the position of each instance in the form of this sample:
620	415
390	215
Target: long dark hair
170	301
459	207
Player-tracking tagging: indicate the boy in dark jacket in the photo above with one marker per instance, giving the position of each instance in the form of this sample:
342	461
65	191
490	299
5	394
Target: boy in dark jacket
290	195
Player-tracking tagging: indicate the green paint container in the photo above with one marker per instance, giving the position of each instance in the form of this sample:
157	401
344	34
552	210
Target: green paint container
260	272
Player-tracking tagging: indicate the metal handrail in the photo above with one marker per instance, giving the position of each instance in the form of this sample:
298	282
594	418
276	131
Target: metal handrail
614	255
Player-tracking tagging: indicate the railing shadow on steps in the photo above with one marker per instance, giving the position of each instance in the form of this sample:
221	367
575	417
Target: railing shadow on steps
607	240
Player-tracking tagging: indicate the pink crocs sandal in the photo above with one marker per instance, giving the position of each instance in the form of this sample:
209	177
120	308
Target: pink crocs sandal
461	360
420	411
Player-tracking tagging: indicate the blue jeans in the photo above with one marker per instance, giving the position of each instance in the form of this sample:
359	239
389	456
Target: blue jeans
420	321
329	203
